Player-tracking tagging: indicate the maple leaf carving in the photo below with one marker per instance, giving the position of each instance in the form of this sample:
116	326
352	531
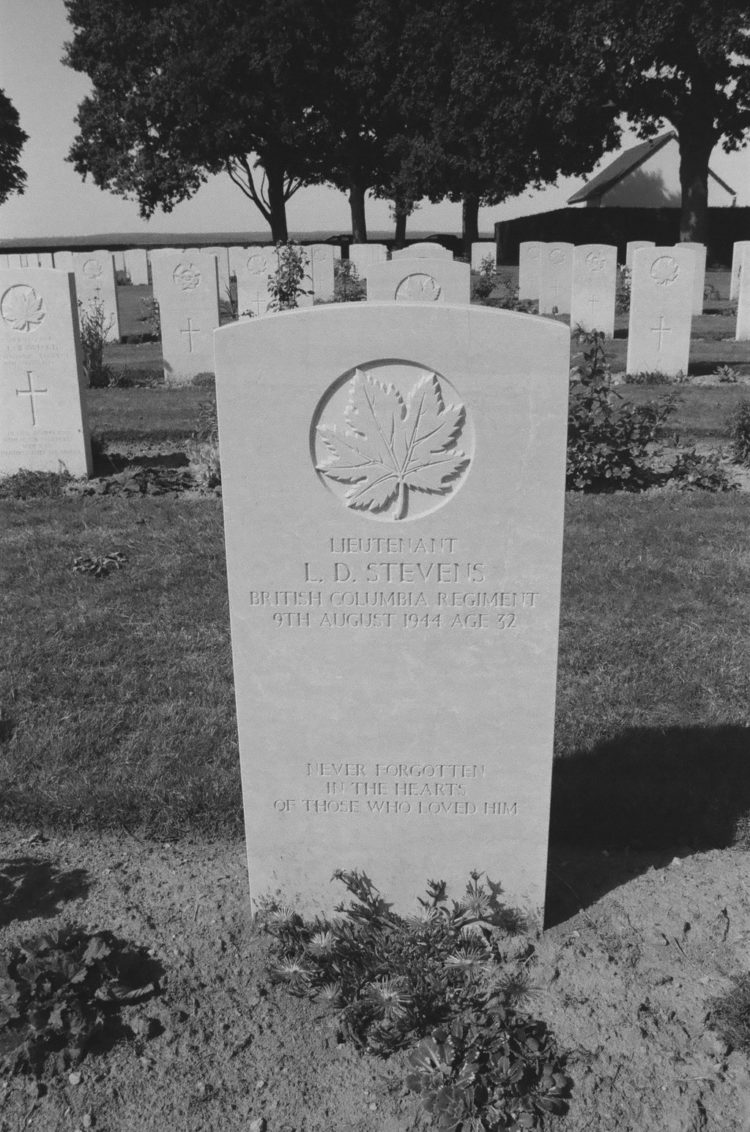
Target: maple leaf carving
22	308
392	446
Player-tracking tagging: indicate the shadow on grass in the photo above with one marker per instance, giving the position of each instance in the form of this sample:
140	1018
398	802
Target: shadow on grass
638	800
31	887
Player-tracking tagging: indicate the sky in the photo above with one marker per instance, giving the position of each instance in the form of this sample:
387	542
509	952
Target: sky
57	202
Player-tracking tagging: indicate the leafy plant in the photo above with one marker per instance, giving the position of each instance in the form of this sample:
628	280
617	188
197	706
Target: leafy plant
150	315
484	284
729	1014
62	991
693	471
647	377
727	375
738	424
347	285
100	565
203	448
95	326
500	286
440	983
622	294
285	285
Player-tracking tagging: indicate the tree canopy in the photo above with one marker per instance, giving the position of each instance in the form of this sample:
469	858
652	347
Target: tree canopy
12	140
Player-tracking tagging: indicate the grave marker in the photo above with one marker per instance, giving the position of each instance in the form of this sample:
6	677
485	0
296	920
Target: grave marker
321	270
186	288
632	247
95	282
428	249
251	268
135	265
734	284
555	278
222	266
393	483
743	294
419	281
529	269
594	287
661	297
42	425
699	279
362	255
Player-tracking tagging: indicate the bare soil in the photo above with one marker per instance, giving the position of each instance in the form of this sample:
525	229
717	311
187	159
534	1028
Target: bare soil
625	983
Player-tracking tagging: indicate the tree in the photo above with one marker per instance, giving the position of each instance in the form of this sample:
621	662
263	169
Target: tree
685	62
188	88
12	140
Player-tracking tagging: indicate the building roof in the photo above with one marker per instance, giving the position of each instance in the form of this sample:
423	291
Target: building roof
626	163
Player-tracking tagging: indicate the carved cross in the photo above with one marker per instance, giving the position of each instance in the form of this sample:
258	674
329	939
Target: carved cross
190	331
661	330
30	393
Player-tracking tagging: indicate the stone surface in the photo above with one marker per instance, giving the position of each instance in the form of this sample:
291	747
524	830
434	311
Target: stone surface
222	267
44	259
135	263
321	259
743	293
95	282
529	269
427	249
362	255
186	289
555	278
63	261
632	247
42	422
419	280
594	287
394	663
699	279
734	283
661	298
22	260
480	251
251	268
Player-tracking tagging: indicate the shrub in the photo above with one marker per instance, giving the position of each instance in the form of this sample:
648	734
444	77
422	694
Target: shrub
729	1014
727	375
347	285
483	284
692	471
622	294
440	984
25	484
95	326
203	448
738	424
285	285
151	317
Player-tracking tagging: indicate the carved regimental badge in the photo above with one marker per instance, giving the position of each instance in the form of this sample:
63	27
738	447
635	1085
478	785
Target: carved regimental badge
418	288
390	448
186	276
664	270
22	308
92	269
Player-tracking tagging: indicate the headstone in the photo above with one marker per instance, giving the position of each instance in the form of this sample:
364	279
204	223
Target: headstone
419	281
393	496
119	258
95	282
632	247
42	421
251	267
63	261
529	269
661	297
555	278
44	259
136	266
22	260
362	255
699	280
594	288
222	266
428	249
734	284
743	294
186	288
480	251
3	261
321	270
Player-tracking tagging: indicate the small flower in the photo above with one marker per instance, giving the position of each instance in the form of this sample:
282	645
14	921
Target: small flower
331	993
320	943
389	995
292	971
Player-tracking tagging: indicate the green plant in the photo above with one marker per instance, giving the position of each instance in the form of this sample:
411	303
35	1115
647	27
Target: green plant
647	377
738	424
440	984
695	472
285	285
151	317
203	448
729	1014
485	281
347	285
727	375
622	294
95	326
60	992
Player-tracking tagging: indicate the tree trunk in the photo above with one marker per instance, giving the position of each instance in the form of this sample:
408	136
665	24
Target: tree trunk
400	233
357	205
695	150
277	203
469	221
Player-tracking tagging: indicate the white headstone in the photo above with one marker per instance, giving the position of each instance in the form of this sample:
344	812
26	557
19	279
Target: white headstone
661	298
529	269
594	288
699	280
63	261
555	278
632	247
119	258
95	282
44	259
22	260
428	249
136	266
482	250
734	284
419	281
321	269
252	267
187	290
222	266
362	255
42	419
743	294
394	607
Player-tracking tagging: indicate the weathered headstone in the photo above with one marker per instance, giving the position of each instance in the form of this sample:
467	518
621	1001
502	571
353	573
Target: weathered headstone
63	261
44	259
222	266
555	278
419	281
699	279
529	269
427	249
187	290
321	270
393	496
362	255
251	268
661	298
743	294
632	247
734	282
594	288
95	283
480	251
42	420
135	264
21	260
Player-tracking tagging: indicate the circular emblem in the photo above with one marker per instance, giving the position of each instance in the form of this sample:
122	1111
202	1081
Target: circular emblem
664	270
257	264
595	261
557	255
22	308
92	269
392	440
418	288
186	277
534	251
